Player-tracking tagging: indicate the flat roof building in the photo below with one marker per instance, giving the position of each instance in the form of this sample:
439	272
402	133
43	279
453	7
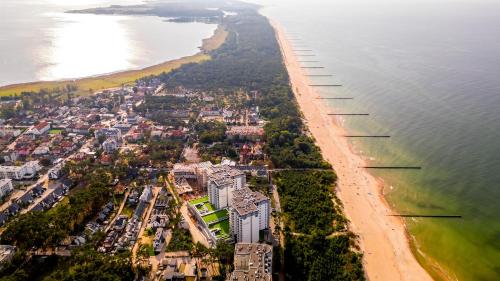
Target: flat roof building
252	262
248	215
222	181
5	187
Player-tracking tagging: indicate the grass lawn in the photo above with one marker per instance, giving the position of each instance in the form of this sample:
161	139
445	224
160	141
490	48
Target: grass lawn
199	200
223	226
215	216
55	131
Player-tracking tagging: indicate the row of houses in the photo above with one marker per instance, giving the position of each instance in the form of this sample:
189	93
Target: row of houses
30	196
124	232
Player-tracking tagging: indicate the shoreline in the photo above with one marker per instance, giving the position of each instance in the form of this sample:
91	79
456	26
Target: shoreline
121	77
387	253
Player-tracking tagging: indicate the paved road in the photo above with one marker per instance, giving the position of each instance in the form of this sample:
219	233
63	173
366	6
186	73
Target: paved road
122	205
156	191
277	206
193	227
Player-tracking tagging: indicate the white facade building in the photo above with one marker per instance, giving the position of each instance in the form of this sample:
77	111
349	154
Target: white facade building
26	171
5	187
252	262
39	129
109	133
222	181
248	214
110	145
4	131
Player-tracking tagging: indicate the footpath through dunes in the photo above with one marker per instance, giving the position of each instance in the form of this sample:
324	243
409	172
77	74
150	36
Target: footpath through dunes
386	251
87	85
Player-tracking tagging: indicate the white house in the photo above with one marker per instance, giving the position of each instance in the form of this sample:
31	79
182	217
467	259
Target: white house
39	129
26	171
9	155
41	150
109	133
110	145
55	172
9	131
5	187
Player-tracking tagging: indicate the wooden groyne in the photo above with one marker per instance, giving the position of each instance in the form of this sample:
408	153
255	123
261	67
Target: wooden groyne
319	75
312	67
302	50
427	216
349	114
307	61
306	55
367	136
393	167
325	85
334	98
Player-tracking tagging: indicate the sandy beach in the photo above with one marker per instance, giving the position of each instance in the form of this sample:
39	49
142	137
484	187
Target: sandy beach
383	240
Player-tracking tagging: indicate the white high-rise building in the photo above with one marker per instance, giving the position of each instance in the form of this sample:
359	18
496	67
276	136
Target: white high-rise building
248	214
222	181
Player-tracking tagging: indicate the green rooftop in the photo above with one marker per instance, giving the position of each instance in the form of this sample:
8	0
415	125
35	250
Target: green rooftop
220	214
199	200
224	228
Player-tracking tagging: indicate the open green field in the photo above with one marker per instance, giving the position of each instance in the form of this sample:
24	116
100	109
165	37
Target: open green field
215	216
89	85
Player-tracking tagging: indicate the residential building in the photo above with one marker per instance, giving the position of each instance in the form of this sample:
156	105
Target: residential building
26	171
248	215
41	150
110	145
222	181
184	171
39	129
132	119
9	155
123	127
7	252
109	133
159	240
253	133
5	187
146	195
9	131
252	262
55	172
